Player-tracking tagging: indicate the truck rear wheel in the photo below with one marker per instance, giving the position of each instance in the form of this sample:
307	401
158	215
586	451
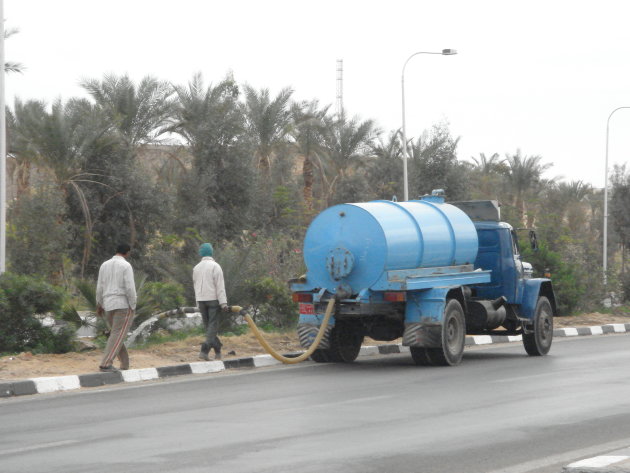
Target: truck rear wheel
320	356
453	337
345	342
538	343
420	356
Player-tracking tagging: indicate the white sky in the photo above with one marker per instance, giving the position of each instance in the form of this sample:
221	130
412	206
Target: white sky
542	76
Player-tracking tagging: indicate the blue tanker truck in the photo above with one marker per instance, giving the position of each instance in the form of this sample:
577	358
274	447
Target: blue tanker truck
424	270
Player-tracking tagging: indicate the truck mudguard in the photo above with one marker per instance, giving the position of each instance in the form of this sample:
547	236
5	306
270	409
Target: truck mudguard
532	290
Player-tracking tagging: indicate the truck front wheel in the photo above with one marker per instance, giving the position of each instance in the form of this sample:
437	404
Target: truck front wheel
539	341
453	337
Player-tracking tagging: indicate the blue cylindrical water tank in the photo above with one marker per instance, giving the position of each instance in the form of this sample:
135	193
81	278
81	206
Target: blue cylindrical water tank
353	244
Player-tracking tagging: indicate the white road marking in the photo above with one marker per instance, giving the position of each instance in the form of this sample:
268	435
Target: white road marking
38	447
564	457
597	462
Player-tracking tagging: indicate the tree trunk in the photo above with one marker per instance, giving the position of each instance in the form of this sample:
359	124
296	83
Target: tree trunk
520	208
264	164
23	178
307	173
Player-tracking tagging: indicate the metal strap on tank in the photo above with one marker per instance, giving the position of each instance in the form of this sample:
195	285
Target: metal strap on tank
415	222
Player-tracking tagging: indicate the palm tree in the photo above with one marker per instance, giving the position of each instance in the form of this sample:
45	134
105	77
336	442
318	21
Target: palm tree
488	172
385	171
524	174
211	121
489	165
308	129
61	140
269	123
10	66
20	146
140	113
209	118
347	144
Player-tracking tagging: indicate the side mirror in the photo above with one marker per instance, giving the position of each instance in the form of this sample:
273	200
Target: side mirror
533	240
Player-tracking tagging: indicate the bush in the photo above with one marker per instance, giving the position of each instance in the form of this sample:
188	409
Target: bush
273	304
21	298
564	277
625	287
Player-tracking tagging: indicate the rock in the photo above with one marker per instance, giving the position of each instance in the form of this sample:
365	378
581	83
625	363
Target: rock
85	345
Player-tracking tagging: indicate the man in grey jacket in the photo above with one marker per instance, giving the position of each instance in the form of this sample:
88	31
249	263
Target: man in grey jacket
116	302
210	295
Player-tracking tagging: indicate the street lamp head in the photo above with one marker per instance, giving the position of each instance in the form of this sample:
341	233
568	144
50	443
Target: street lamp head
449	52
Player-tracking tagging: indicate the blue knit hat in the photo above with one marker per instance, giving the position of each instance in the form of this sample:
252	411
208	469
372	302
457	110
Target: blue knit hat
205	250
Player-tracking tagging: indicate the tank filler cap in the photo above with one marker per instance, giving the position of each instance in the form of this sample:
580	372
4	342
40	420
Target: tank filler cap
339	263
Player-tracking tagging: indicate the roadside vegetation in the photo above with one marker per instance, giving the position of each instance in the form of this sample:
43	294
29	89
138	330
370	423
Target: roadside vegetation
167	167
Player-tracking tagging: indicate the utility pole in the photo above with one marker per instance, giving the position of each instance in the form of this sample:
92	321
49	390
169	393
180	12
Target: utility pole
3	151
340	88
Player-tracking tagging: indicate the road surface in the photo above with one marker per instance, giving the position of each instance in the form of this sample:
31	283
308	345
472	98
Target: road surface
499	411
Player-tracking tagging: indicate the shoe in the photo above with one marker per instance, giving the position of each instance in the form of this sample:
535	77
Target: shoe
217	356
108	369
204	356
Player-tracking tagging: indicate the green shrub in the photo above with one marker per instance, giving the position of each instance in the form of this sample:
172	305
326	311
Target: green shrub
154	297
625	287
273	304
21	298
564	277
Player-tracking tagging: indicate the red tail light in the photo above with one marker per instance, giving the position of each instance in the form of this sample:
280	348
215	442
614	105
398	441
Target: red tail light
395	296
301	297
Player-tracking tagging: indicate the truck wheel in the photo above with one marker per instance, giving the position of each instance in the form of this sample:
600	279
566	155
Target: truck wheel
320	356
453	336
345	342
538	343
420	356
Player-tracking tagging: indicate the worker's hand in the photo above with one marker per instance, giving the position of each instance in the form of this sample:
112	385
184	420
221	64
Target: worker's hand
225	307
99	311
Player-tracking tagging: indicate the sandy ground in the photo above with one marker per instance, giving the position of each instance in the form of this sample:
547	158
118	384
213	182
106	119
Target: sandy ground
27	365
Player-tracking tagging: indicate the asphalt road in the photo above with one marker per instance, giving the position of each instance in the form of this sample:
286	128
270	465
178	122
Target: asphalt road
500	410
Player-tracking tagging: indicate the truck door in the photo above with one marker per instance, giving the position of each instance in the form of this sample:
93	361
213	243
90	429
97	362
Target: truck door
518	266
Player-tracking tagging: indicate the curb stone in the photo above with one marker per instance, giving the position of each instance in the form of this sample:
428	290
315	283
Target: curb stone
91	380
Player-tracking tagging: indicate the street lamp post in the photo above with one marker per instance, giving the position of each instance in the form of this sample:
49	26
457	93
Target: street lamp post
445	52
605	252
3	150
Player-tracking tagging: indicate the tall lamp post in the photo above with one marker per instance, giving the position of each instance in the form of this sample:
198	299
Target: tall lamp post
605	252
3	150
445	52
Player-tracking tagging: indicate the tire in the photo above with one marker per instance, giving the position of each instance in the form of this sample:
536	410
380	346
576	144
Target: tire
345	342
420	356
320	356
453	337
538	343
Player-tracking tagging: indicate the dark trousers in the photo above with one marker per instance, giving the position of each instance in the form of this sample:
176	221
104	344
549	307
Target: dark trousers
210	316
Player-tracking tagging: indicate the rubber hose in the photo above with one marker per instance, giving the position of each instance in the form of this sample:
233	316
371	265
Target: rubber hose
307	353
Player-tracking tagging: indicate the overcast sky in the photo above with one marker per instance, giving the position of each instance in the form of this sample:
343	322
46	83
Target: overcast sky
542	76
